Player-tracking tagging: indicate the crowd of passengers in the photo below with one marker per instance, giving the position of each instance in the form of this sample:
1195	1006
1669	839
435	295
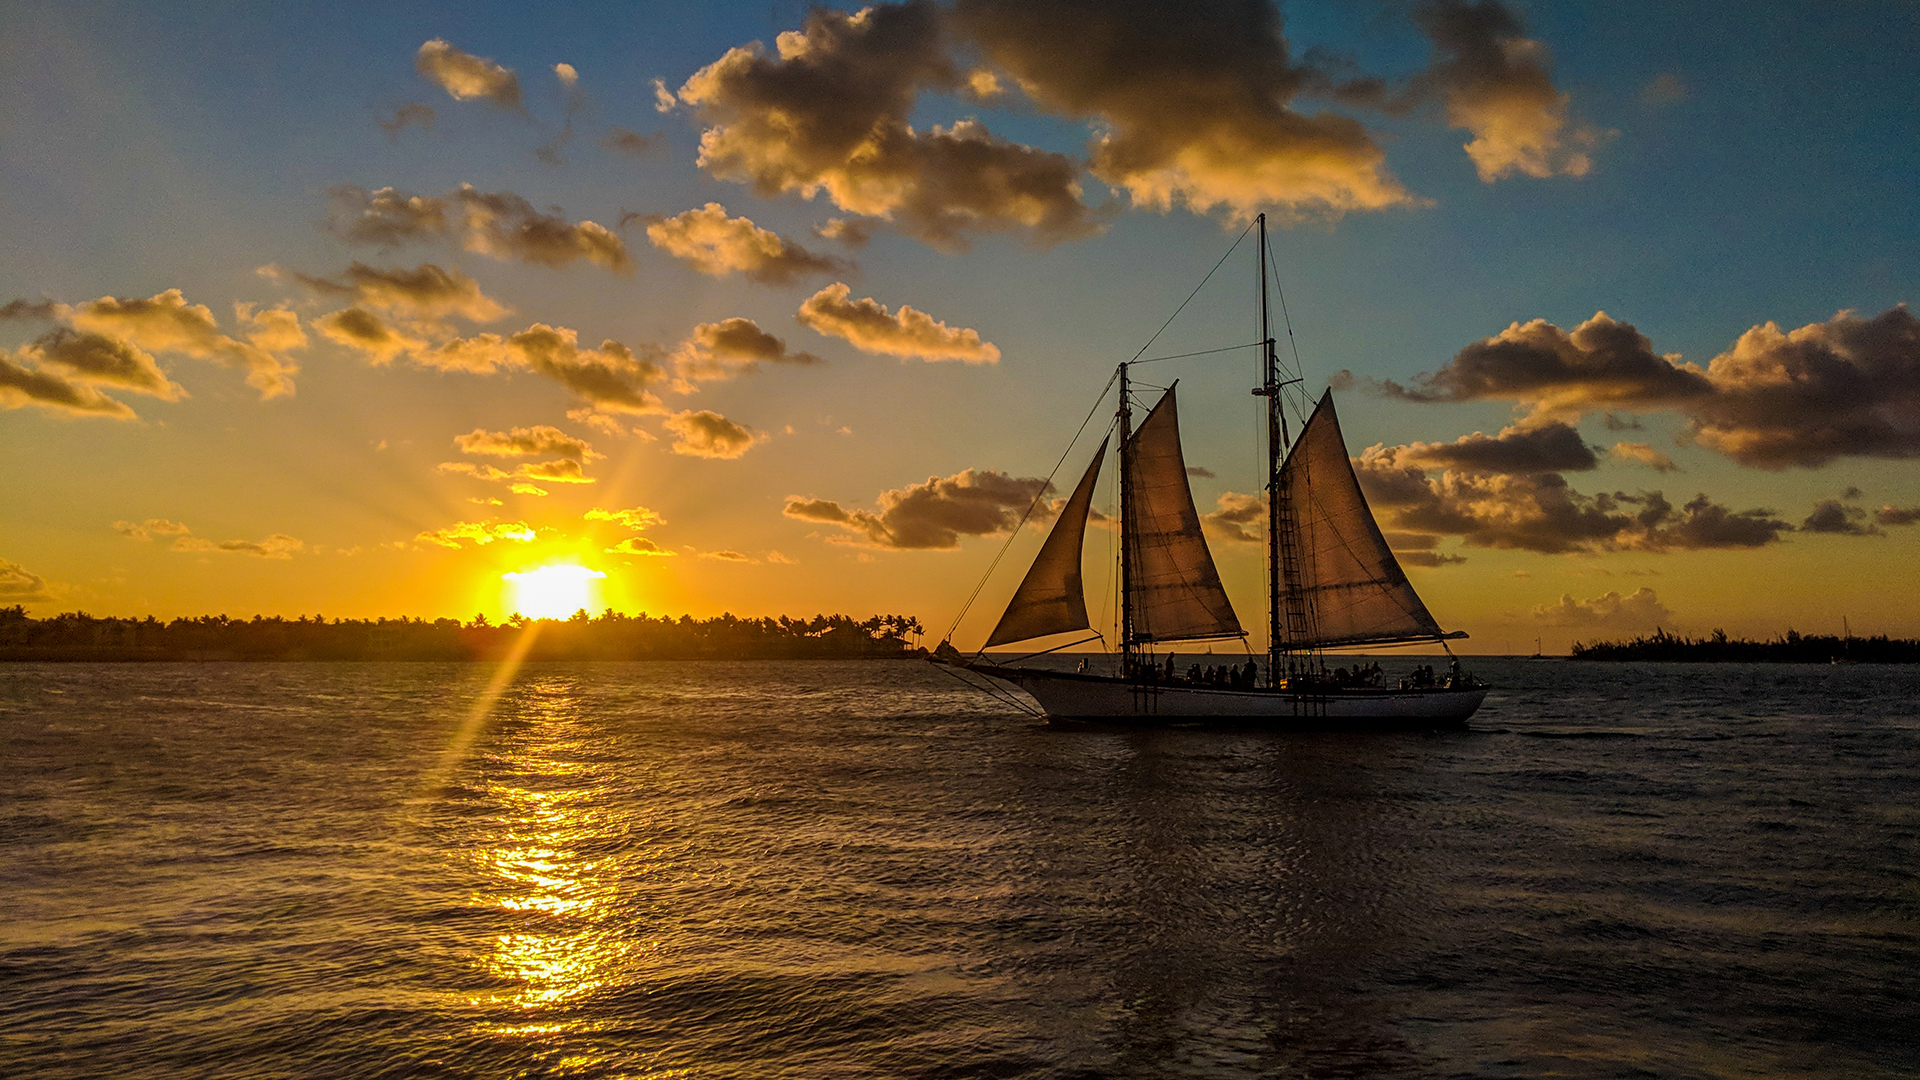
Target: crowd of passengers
1246	676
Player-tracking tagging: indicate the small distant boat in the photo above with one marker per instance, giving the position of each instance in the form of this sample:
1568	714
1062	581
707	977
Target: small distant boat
1333	583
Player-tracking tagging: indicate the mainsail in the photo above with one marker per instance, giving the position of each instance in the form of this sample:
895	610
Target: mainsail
1352	587
1175	592
1050	599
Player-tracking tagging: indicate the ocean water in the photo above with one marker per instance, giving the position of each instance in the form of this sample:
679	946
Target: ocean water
847	870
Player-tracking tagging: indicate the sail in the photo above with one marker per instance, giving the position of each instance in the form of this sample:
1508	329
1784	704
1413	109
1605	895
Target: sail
1353	587
1050	599
1175	592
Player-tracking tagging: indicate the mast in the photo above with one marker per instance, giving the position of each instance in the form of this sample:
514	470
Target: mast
1125	422
1286	620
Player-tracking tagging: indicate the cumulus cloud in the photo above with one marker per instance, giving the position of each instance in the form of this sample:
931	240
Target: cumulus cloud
1602	363
609	379
707	434
1193	105
1643	454
1541	512
718	245
426	291
1897	515
731	347
635	518
465	76
932	515
1834	516
1497	84
639	545
275	546
1238	518
1847	387
96	358
19	585
829	114
1640	610
21	386
28	309
499	224
1550	447
478	533
541	439
365	332
412	114
165	322
870	327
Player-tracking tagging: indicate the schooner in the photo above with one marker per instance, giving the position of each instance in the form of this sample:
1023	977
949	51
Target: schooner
1333	583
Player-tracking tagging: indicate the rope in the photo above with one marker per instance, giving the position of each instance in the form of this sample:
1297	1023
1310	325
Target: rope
1037	496
1194	293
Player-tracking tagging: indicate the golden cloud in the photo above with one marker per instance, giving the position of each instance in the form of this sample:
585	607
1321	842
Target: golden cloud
870	327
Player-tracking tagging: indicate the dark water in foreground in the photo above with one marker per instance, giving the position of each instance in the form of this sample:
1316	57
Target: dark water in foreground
862	870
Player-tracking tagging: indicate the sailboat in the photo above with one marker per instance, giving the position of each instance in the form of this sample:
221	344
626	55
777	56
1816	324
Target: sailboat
1333	583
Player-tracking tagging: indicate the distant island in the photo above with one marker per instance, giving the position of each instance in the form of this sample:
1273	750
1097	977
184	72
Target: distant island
77	636
1793	648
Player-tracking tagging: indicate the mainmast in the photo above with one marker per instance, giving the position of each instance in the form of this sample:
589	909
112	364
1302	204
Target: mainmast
1286	619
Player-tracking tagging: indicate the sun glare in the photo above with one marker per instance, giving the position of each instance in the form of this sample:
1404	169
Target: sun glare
553	592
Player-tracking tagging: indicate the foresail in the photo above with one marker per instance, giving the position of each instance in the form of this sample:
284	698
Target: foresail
1175	590
1051	599
1354	589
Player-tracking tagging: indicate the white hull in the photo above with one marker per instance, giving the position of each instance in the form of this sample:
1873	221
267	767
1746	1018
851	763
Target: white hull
1092	697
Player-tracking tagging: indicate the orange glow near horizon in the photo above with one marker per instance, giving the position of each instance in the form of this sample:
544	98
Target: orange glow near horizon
553	592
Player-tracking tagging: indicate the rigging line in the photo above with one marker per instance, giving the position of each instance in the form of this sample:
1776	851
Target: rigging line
1286	318
1202	352
1194	293
1037	496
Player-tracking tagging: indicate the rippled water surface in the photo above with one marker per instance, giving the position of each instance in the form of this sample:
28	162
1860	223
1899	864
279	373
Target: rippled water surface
844	870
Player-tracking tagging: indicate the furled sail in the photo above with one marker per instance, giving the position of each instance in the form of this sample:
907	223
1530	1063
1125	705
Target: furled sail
1176	592
1050	599
1353	587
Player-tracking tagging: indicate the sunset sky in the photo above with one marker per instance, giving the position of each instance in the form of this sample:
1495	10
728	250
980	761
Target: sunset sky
353	309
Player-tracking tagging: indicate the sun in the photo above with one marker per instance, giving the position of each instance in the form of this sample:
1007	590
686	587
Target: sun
553	592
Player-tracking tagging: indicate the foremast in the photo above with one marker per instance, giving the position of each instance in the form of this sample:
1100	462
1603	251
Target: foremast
1123	421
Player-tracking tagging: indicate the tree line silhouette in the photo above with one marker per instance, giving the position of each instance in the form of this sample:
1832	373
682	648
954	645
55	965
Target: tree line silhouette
1792	648
610	635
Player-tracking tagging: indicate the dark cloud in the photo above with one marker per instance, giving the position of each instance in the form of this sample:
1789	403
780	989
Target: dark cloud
1833	516
1601	363
1550	447
830	114
1497	85
96	358
870	327
535	441
165	322
426	291
732	347
412	114
630	142
1541	512
21	386
498	224
1897	515
361	330
933	515
1847	387
275	546
465	76
1193	103
718	245
639	545
19	585
1237	517
28	309
705	433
